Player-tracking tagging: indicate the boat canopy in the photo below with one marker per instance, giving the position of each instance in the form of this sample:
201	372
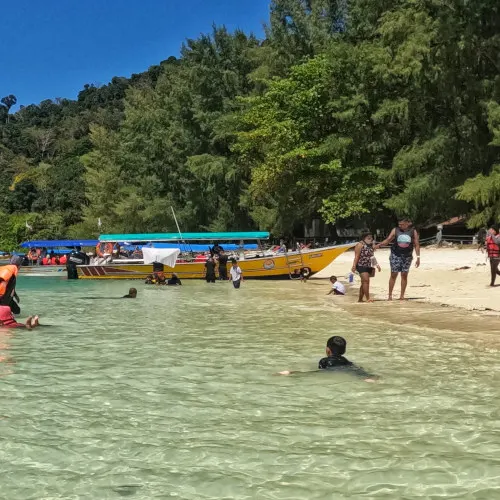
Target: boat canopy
59	243
167	256
152	237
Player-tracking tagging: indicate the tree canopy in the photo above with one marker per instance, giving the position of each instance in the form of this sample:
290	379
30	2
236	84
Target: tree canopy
347	109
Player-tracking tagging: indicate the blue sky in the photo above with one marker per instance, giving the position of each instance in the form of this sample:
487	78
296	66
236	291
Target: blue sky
51	48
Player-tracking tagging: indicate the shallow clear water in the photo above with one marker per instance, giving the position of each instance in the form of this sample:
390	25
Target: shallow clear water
173	395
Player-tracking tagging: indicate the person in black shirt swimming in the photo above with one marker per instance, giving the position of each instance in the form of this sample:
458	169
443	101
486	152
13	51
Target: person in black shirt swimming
335	350
132	294
174	280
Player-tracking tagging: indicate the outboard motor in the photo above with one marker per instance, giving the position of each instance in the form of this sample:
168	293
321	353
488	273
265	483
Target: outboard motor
76	258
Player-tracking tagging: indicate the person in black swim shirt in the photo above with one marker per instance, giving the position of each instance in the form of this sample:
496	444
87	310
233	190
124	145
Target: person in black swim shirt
210	270
132	294
174	280
223	258
216	249
335	350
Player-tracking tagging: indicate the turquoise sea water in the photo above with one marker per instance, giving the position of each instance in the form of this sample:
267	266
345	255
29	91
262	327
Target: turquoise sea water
173	396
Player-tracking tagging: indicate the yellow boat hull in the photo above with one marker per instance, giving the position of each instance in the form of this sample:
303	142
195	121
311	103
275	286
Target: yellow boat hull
279	266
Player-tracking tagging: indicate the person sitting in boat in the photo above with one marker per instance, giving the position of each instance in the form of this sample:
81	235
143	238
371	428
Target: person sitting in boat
137	253
174	280
132	294
7	320
33	256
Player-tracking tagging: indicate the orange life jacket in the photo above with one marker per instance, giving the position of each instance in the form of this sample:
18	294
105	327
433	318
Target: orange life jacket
492	249
108	249
6	273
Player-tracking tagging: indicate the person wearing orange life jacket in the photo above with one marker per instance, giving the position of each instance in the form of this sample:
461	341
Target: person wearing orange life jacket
8	277
493	250
7	320
104	250
33	256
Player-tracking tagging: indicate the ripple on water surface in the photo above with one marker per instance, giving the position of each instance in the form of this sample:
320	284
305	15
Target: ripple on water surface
173	395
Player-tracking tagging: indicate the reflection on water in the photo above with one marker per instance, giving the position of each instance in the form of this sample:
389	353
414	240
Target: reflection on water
173	395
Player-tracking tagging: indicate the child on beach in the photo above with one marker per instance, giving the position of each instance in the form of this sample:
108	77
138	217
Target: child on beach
7	320
337	287
335	350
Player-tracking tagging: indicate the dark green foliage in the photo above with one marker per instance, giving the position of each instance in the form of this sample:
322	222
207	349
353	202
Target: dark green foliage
345	110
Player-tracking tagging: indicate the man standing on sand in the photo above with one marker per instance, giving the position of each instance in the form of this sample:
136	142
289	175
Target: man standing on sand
405	239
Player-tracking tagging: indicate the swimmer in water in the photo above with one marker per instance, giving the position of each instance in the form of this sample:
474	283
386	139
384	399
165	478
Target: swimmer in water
174	280
7	320
335	350
132	294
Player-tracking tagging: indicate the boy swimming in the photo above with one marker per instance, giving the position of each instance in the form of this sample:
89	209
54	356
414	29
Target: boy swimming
335	350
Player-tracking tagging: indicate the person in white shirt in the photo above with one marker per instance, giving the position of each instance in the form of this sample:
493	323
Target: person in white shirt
235	274
337	287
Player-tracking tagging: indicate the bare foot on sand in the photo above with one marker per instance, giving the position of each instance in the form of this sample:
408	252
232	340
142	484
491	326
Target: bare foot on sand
390	298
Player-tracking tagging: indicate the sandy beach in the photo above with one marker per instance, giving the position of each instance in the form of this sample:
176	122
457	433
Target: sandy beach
436	280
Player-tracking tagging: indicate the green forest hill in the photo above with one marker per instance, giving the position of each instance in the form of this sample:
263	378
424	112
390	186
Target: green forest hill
349	109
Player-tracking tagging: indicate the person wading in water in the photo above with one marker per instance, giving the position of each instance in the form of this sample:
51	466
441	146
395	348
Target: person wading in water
405	239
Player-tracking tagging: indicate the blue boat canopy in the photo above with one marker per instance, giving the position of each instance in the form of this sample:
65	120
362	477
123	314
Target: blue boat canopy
151	237
59	243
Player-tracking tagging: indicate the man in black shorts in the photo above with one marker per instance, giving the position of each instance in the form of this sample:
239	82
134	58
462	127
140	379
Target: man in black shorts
335	350
404	239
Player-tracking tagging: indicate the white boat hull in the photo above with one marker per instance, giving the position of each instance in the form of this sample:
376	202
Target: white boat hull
42	271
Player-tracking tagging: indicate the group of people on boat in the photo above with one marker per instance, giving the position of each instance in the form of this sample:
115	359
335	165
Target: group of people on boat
42	257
